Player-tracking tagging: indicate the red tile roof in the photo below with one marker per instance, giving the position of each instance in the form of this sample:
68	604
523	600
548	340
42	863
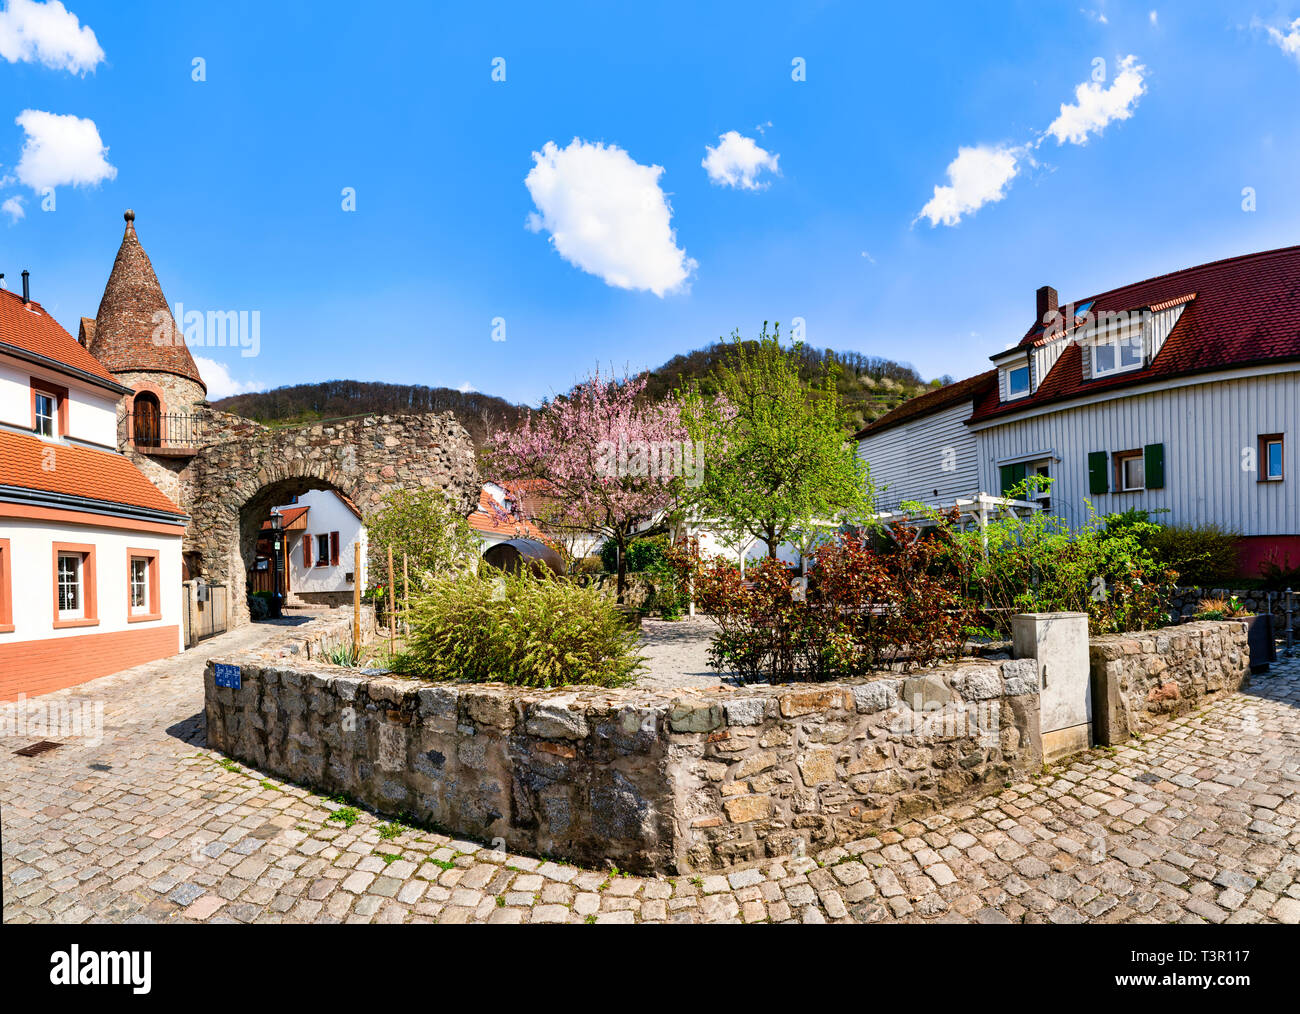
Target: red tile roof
77	471
1245	311
288	516
931	402
487	519
31	329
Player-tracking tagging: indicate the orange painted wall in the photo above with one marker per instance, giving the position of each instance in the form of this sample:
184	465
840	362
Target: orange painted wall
41	667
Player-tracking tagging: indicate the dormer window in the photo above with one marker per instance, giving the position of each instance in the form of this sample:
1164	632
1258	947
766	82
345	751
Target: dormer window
47	409
1018	382
1117	345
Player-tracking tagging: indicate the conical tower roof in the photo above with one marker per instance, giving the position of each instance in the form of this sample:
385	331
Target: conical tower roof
134	330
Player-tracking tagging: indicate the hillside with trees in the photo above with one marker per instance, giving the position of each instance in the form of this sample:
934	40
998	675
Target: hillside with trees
480	414
868	386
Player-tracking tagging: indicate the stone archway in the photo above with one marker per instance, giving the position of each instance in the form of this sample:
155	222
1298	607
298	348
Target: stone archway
233	481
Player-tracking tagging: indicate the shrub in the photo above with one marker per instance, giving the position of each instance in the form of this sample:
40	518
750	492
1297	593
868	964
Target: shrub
1204	555
863	608
258	608
642	554
1036	563
422	525
1278	574
519	628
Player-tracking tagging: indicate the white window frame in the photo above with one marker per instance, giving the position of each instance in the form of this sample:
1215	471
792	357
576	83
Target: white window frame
1011	372
1117	339
1122	461
1268	443
47	425
142	585
77	612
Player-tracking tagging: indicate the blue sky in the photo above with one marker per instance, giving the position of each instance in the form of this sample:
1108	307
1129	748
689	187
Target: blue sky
237	180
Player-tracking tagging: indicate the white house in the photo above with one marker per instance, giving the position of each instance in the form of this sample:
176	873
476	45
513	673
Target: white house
1178	394
321	531
90	550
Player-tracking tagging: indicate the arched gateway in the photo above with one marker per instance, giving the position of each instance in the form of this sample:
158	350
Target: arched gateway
227	471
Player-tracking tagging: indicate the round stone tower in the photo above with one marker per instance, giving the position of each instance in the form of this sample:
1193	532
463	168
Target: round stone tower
135	336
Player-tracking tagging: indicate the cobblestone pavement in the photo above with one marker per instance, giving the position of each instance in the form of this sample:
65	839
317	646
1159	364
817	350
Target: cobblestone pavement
1197	824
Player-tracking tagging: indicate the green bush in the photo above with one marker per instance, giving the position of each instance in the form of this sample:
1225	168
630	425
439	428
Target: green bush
642	554
1205	556
520	629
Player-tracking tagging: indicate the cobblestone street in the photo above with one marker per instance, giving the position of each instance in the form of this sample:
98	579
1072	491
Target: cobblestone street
1197	824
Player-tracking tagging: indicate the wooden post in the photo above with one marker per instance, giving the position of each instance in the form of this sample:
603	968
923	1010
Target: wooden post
392	604
356	597
406	599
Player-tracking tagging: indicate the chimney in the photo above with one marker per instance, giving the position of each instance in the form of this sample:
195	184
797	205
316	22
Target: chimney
1047	303
27	288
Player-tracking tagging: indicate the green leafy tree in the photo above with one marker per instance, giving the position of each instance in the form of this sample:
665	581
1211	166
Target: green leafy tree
423	525
776	458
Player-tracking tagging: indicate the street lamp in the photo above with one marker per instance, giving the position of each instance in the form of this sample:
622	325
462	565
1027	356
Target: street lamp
277	533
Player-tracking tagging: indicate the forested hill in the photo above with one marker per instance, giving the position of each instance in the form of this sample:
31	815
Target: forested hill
335	399
869	387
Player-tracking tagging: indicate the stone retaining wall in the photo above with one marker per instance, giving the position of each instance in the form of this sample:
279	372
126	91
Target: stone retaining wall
1184	603
1140	680
650	781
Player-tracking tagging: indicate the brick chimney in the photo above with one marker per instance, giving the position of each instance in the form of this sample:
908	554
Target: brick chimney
1047	302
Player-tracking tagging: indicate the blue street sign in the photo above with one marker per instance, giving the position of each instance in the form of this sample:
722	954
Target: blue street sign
226	675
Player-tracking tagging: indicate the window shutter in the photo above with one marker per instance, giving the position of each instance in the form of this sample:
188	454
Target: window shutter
334	548
1012	475
306	549
1098	480
1154	465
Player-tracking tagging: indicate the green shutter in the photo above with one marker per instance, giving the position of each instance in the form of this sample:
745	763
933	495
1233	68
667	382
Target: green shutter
1098	480
1012	475
1154	465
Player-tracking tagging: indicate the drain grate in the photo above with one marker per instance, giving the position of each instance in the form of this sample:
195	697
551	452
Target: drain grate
37	748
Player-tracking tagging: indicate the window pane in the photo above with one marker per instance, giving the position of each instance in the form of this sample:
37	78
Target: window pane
69	583
1130	351
1018	380
139	583
1103	358
1275	459
1134	473
45	415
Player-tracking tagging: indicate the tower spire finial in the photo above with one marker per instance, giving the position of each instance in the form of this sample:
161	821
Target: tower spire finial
128	215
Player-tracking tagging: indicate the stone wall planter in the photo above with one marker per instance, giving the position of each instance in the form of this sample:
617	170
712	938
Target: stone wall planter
1142	679
653	781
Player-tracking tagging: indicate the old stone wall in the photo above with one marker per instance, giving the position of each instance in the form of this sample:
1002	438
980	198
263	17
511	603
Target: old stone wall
1140	680
1183	603
650	781
241	469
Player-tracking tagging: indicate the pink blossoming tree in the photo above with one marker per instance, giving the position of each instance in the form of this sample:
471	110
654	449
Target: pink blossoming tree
600	459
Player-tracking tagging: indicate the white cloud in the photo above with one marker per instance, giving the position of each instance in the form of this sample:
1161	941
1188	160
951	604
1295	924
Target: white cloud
1095	106
61	150
465	388
1097	16
47	33
13	207
1289	42
219	381
608	216
976	177
1154	17
738	161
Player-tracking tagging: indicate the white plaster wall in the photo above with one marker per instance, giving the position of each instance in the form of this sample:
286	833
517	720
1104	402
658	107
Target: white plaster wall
32	577
328	514
92	412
